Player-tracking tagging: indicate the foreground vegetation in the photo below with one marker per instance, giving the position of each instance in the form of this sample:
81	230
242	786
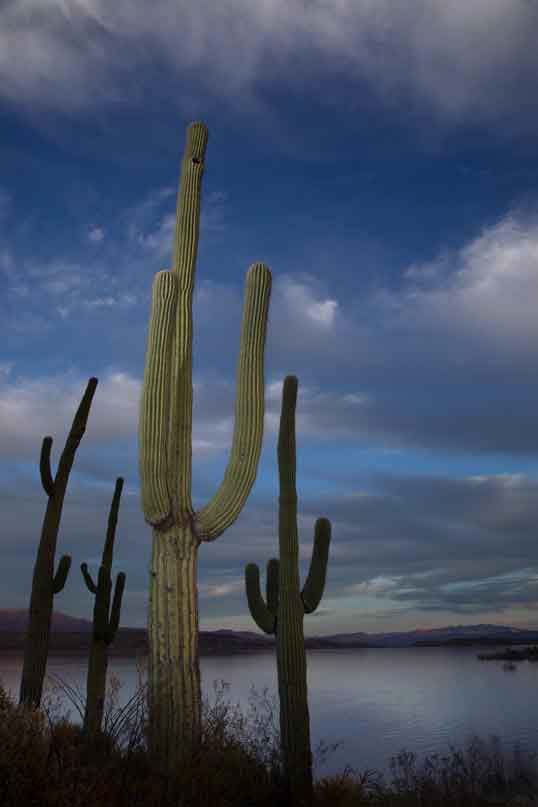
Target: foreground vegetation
47	762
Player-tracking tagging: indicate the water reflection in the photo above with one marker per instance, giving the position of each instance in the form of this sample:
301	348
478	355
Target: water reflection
375	701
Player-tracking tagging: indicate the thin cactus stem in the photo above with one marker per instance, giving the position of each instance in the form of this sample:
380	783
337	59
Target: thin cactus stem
104	625
44	583
165	460
286	605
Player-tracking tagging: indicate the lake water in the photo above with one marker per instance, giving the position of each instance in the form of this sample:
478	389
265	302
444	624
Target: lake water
375	701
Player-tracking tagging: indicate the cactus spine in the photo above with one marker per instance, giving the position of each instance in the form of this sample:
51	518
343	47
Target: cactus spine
286	605
44	584
104	627
165	455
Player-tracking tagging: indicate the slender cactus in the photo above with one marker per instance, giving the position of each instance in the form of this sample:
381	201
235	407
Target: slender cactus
286	606
104	627
165	430
44	584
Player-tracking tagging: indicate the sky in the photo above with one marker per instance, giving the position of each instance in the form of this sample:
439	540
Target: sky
381	159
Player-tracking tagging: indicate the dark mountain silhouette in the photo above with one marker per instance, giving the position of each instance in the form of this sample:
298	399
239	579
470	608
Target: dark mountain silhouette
73	635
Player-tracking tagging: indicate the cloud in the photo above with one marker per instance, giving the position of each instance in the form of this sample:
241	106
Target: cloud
96	235
489	292
462	63
465	317
153	229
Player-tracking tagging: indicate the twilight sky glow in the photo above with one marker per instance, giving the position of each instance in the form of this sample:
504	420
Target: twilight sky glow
381	158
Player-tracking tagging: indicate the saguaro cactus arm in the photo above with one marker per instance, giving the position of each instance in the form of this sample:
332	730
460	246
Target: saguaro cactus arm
315	582
261	614
240	474
44	467
62	571
87	577
153	431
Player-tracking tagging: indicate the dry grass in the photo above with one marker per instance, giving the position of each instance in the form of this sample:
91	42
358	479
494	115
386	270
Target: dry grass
49	763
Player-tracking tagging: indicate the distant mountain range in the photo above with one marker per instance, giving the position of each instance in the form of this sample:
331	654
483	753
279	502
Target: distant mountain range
73	635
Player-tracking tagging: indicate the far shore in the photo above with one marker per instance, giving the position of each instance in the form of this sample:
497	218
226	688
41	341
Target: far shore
527	654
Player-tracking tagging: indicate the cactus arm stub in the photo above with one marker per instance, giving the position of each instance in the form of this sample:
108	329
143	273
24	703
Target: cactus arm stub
62	571
88	578
44	467
225	506
258	609
315	582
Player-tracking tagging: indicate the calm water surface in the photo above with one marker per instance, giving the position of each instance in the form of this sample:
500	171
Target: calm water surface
375	701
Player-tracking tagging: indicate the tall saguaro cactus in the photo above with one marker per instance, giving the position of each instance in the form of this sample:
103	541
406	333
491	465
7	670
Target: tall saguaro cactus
44	584
104	626
286	606
165	457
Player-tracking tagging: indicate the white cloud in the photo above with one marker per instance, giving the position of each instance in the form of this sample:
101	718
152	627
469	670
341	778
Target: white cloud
476	302
159	238
300	300
463	61
219	590
486	291
377	586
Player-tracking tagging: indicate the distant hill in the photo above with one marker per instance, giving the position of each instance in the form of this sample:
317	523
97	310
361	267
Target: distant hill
455	634
73	635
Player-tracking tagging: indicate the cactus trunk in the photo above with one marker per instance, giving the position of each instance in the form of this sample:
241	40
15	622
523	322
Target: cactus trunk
173	661
95	688
291	664
44	583
286	606
165	432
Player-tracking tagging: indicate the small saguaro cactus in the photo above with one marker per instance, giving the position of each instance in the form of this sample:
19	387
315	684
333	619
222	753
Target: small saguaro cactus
286	606
165	460
104	626
44	584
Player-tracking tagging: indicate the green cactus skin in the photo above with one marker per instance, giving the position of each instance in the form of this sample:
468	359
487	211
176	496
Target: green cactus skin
104	628
44	584
165	455
286	605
